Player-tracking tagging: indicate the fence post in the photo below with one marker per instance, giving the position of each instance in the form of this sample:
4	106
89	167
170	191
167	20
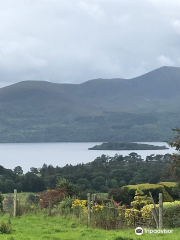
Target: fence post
89	207
94	199
15	202
160	211
50	205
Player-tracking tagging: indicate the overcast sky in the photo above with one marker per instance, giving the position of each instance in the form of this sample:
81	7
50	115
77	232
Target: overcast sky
73	41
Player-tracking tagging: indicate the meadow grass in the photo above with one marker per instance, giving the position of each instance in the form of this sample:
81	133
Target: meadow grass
104	195
37	227
21	195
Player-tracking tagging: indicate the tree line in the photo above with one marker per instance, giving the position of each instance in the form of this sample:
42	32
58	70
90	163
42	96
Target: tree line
100	175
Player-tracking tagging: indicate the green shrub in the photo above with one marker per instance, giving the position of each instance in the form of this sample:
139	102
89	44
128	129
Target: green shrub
171	188
167	197
171	214
33	199
121	195
107	218
70	188
140	200
83	194
25	207
1	201
5	228
65	205
102	200
55	195
155	189
79	207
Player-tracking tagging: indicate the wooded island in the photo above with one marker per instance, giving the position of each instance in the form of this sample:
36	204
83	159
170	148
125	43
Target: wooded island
126	146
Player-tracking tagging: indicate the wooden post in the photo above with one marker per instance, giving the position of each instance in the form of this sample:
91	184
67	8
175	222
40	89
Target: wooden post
160	211
15	202
94	199
50	205
89	207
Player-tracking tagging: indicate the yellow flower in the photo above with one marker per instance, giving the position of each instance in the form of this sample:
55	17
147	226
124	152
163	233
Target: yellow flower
97	207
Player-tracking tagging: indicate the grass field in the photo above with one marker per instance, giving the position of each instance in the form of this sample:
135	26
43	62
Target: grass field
37	227
21	195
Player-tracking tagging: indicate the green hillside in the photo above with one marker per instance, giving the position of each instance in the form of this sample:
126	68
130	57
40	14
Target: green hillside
105	110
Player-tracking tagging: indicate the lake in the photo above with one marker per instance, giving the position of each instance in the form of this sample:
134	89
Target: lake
29	155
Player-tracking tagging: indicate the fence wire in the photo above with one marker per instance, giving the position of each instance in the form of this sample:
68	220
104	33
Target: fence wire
127	218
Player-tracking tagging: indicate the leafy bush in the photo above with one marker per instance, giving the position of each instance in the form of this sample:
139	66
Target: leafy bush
5	228
107	218
174	191
1	201
83	194
102	200
66	204
131	215
155	189
21	208
170	187
172	214
167	197
147	212
120	195
139	200
33	199
55	195
25	207
79	206
70	188
97	208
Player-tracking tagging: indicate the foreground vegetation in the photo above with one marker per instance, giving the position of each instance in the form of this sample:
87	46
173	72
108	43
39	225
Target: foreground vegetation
66	217
37	227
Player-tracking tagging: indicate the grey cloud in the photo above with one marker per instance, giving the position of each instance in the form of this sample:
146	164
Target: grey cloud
74	41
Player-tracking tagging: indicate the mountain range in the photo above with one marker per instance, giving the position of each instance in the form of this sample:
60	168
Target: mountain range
144	108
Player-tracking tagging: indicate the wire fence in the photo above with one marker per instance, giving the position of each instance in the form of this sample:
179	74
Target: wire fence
127	218
108	218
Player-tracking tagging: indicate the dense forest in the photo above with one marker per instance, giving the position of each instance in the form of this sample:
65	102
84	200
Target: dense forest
99	175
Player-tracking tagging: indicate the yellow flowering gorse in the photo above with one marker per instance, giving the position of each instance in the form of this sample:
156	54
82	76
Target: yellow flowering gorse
97	207
79	205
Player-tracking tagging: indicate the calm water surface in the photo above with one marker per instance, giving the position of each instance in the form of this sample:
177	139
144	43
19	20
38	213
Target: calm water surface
29	155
